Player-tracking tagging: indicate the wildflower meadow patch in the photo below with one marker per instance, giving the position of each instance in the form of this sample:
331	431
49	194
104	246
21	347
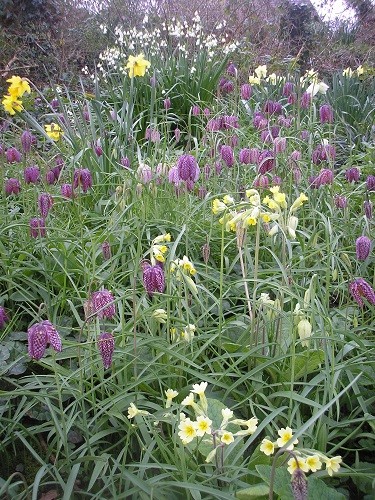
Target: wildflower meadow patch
187	280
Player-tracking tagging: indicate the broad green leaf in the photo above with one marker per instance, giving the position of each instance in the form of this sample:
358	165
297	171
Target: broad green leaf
254	492
305	363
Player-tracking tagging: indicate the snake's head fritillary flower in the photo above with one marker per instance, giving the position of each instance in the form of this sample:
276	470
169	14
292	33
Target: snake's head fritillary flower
3	317
82	177
288	89
299	484
45	202
370	183
26	141
367	207
359	288
326	113
266	161
12	186
246	91
12	155
39	336
67	191
37	227
352	174
187	168
31	174
362	247
153	278
106	345
227	155
102	303
106	250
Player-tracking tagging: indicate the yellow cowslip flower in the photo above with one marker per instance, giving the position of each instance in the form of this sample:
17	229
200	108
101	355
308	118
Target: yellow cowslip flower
158	252
160	315
250	221
266	217
297	463
261	71
137	65
360	70
18	86
272	205
272	79
251	425
298	202
313	462
171	394
228	200
333	464
203	425
286	434
54	131
254	80
280	198
134	411
304	331
348	72
162	238
218	206
227	437
188	431
267	447
11	104
187	265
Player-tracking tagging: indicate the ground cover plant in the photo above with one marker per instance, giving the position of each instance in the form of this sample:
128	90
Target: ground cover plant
187	280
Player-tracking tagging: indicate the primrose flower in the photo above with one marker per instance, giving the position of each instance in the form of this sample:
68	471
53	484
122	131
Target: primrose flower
160	315
227	437
267	447
188	333
285	435
332	464
54	131
18	86
188	431
227	414
162	238
137	65
203	425
313	462
297	463
199	388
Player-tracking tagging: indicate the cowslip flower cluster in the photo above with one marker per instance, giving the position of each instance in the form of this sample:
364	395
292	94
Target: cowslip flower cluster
203	429
300	459
12	101
185	335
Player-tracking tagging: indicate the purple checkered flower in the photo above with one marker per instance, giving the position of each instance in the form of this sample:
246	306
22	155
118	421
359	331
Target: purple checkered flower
362	247
102	303
325	176
13	155
352	174
188	169
288	89
367	207
167	103
340	201
153	278
305	100
359	288
106	250
82	177
326	113
50	177
67	191
299	485
12	186
246	91
106	346
26	141
227	155
231	69
266	161
31	174
39	336
37	227
45	202
370	183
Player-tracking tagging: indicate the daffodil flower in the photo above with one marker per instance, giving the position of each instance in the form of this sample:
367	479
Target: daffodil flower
137	65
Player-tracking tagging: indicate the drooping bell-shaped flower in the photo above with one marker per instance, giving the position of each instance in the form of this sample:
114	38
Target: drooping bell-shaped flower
82	177
26	141
359	289
246	91
326	113
31	174
45	202
370	183
3	317
106	346
37	227
188	168
67	191
106	250
266	161
367	207
153	278
362	247
352	174
227	155
39	336
12	186
102	303
13	155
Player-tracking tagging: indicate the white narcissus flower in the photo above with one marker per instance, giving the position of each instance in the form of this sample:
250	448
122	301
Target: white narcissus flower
292	226
316	87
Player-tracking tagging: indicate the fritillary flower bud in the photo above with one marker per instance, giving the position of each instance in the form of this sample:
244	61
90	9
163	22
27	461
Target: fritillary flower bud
13	155
102	303
367	206
39	336
362	247
177	134
54	104
3	317
26	141
45	202
288	89
153	278
195	110
37	227
82	177
231	69
305	100
98	150
299	485
326	113
106	250
227	155
125	162
246	91
352	174
12	186
206	252
50	177
370	183
106	346
31	175
167	103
